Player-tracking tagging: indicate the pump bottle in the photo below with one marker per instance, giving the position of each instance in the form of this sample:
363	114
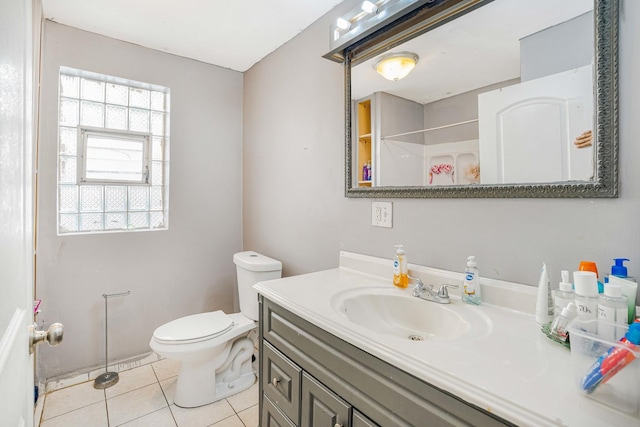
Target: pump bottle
400	276
564	295
471	283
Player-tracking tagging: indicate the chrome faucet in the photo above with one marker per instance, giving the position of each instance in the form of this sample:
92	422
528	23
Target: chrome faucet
427	293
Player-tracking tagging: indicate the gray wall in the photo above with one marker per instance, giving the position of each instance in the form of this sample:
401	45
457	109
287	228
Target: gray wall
455	109
185	270
294	208
556	49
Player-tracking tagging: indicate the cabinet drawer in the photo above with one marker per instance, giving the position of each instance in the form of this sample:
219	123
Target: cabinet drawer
321	407
281	381
360	420
272	417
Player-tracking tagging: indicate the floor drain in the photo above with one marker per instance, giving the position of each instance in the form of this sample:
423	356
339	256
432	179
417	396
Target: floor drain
416	338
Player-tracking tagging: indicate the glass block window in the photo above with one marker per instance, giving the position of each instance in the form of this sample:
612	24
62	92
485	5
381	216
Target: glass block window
113	146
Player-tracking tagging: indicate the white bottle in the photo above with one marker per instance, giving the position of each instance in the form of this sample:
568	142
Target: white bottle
564	295
544	301
612	309
586	283
471	284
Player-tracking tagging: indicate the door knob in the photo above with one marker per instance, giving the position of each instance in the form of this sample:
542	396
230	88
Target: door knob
53	335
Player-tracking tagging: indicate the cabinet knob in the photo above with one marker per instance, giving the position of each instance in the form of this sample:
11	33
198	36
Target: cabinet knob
275	381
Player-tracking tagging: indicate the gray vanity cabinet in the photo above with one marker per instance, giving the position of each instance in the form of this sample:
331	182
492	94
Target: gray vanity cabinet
311	378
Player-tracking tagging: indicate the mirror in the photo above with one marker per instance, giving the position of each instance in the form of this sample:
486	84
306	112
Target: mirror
507	99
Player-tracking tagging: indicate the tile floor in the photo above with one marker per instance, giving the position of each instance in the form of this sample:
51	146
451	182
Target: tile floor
144	397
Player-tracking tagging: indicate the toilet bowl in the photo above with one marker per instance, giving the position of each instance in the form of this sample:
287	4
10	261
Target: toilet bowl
213	348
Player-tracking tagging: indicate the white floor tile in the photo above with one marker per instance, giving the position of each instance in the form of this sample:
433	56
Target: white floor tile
65	382
232	421
244	399
131	380
202	416
135	404
71	398
166	368
250	417
169	388
161	418
144	397
94	415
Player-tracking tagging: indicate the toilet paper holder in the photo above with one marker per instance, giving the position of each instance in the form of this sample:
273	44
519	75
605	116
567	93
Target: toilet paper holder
107	379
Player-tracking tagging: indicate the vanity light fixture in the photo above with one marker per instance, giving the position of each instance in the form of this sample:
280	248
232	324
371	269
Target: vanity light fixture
396	65
343	24
369	7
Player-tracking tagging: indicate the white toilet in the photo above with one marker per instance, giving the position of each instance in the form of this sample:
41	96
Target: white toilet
213	348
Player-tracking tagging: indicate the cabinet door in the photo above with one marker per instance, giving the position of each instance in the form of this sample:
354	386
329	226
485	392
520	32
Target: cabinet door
321	407
359	420
272	416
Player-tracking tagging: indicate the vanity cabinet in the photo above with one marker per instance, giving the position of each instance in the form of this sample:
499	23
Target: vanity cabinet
309	377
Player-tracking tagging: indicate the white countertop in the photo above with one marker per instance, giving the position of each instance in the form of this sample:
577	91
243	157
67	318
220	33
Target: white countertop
512	369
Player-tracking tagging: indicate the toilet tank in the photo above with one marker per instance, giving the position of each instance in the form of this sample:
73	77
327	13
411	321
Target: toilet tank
251	268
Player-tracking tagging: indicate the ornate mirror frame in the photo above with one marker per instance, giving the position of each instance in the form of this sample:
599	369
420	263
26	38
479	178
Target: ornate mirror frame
432	14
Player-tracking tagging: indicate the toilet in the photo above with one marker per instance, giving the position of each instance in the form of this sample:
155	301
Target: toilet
213	348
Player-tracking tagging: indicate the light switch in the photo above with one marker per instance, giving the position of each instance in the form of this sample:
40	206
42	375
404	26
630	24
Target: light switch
382	214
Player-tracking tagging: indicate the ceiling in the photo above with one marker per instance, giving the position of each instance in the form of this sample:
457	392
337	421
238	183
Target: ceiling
476	50
233	34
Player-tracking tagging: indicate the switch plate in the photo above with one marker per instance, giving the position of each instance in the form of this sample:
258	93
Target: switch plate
382	214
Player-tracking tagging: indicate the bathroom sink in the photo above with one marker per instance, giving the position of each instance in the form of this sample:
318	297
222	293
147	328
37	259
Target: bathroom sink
395	312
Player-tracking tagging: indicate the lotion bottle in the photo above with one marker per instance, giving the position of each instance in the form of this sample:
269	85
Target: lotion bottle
471	284
400	276
544	302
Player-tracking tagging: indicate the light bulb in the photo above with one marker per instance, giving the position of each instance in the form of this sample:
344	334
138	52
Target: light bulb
369	7
396	66
343	24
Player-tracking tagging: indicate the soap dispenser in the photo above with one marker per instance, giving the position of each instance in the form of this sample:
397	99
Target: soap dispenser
471	283
618	269
400	276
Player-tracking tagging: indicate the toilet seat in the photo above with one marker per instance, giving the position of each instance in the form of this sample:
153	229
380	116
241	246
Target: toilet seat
194	328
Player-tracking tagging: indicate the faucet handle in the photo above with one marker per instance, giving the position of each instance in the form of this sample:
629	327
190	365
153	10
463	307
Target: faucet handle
443	291
418	288
418	281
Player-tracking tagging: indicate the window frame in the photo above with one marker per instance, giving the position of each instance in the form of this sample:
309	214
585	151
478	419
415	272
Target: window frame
106	202
83	134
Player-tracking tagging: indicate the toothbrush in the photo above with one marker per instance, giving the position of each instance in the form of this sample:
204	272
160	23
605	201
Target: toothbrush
613	360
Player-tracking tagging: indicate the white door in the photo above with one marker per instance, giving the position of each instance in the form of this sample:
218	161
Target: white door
16	213
527	130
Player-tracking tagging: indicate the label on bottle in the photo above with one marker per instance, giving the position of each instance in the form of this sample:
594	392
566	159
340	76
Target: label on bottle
396	267
606	313
613	314
586	307
469	286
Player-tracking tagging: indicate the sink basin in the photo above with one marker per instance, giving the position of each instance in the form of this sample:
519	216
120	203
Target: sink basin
396	312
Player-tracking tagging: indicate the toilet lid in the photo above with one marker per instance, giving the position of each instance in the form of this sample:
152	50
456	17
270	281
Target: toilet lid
195	327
